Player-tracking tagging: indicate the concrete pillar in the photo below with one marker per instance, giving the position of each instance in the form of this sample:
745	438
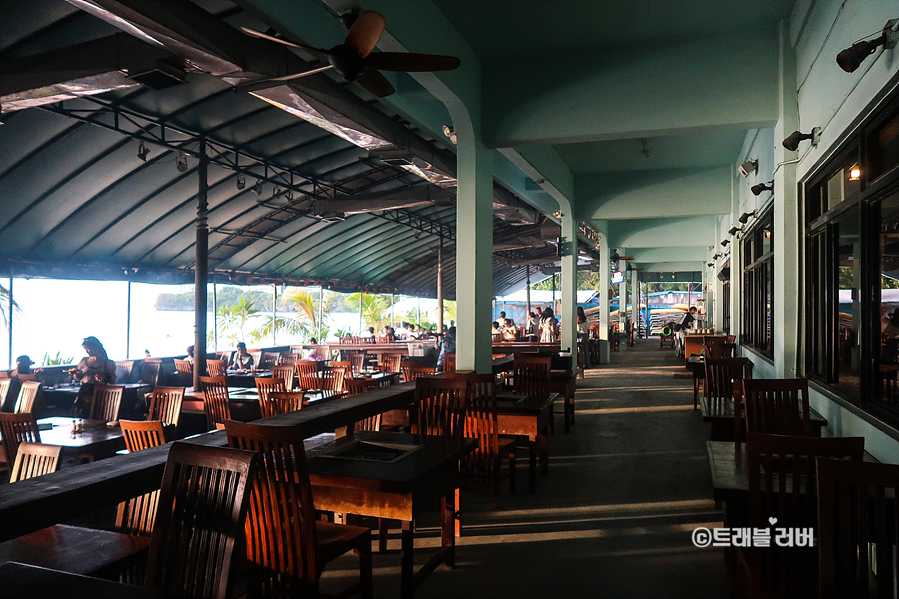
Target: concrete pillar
605	286
201	268
569	283
786	218
635	300
474	256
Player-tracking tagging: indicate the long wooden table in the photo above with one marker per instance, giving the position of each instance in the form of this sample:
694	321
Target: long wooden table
399	490
20	581
719	412
97	440
528	416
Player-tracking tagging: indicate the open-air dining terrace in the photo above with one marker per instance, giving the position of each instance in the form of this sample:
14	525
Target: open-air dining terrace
449	298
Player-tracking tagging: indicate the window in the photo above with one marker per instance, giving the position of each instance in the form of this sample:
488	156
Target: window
758	285
724	276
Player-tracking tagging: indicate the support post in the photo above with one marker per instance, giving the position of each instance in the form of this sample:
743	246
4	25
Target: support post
321	308
274	312
440	287
201	268
9	322
215	316
527	296
635	298
128	324
569	286
605	287
360	312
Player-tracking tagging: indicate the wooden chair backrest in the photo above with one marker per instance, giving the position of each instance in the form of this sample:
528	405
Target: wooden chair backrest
307	371
27	377
281	402
286	372
439	407
346	340
217	367
531	374
485	463
357	361
289	359
720	374
321	352
142	434
4	374
105	402
16	429
720	350
331	379
782	486
777	406
165	404
357	386
4	389
857	524
34	459
265	385
449	362
347	367
27	394
149	372
185	372
391	362
202	510
216	401
268	360
382	340
280	528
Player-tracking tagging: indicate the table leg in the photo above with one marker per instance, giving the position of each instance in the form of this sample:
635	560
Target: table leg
532	446
447	528
695	392
407	578
382	535
543	449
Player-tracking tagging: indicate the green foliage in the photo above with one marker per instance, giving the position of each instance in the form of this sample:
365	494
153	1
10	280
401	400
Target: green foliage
888	283
56	360
5	314
375	309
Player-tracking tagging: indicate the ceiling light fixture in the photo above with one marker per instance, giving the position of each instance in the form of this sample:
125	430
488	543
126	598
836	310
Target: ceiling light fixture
143	152
852	57
791	142
181	163
725	242
257	187
450	133
759	188
734	230
241	182
749	167
744	218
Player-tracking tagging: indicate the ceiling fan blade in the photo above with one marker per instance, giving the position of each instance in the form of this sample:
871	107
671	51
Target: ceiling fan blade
365	33
404	61
303	74
375	82
283	42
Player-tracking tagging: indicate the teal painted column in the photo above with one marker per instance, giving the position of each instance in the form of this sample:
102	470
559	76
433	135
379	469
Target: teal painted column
474	256
569	284
635	300
605	286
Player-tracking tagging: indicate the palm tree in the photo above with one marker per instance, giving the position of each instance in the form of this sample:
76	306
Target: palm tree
243	311
5	305
375	309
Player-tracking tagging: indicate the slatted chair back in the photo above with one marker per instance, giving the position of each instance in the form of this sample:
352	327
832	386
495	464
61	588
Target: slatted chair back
413	370
281	402
34	459
391	362
484	465
202	511
321	352
16	429
105	402
720	350
280	528
307	371
720	374
268	384
439	407
217	367
149	372
268	360
777	406
857	529
357	361
782	487
287	373
531	374
185	372
216	402
347	367
332	379
382	340
357	386
449	362
4	389
32	378
4	374
288	359
165	404
346	340
142	434
27	394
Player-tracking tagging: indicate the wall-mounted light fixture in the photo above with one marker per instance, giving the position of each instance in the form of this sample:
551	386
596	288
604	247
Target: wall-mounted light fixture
855	173
143	152
744	218
181	163
851	58
749	167
758	189
450	133
791	142
717	255
735	230
725	242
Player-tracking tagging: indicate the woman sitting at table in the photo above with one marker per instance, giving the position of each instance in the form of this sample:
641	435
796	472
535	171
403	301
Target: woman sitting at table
94	368
23	366
241	359
309	352
190	354
510	331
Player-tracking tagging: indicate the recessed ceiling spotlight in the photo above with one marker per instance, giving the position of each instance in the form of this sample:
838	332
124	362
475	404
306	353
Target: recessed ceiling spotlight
181	163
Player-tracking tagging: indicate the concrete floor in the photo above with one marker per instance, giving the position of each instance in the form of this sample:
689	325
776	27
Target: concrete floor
612	519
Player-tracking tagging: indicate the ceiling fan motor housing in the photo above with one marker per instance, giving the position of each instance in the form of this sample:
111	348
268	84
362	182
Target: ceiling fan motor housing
347	61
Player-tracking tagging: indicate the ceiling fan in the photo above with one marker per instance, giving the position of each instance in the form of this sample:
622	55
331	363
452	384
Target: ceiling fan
355	61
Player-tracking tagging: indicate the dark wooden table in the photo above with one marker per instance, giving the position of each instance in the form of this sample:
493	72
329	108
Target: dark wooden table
18	581
132	399
246	379
719	412
528	416
98	440
398	490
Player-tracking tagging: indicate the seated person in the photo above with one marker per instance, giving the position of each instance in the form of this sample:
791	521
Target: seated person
309	352
410	332
496	330
241	359
23	366
510	331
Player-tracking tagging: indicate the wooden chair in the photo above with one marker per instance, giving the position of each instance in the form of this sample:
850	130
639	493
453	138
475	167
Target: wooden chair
288	359
286	372
185	373
202	510
34	459
16	429
268	360
449	362
531	375
777	406
217	368
720	350
30	378
281	402
782	486
439	407
136	515
332	379
142	434
382	340
307	372
321	352
287	545
720	374
414	370
105	402
357	360
357	386
216	402
268	384
165	404
27	394
857	524
391	362
4	389
347	367
149	373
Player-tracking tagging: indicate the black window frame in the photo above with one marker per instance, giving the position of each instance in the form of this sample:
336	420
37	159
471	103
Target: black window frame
758	325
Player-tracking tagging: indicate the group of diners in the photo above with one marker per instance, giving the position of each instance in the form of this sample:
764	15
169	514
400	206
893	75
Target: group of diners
798	505
459	407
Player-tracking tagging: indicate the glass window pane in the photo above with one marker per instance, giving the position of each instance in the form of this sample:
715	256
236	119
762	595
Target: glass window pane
889	299
849	323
